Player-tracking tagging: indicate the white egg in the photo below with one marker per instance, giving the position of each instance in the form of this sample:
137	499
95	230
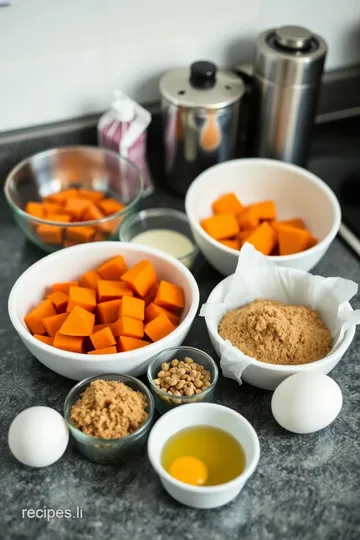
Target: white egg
306	402
38	436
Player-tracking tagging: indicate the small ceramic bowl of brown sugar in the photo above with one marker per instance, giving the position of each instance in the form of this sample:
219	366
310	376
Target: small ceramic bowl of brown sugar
288	338
109	416
181	375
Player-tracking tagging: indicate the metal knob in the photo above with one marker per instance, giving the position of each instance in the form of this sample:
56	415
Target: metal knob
295	38
203	75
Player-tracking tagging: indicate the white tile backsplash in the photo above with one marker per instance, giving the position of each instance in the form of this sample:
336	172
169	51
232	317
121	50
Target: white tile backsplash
62	59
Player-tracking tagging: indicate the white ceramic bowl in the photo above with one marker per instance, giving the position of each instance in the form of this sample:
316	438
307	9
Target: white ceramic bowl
204	414
296	192
269	376
70	263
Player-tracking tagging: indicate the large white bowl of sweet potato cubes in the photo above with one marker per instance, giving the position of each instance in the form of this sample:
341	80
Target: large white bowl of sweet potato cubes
104	307
286	212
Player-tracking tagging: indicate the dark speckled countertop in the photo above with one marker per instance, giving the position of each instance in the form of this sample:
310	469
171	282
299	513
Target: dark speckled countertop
306	487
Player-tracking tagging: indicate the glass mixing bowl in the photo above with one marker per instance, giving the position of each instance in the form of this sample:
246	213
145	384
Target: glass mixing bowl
83	167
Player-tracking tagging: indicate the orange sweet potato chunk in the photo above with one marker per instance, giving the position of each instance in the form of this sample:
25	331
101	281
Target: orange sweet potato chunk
45	339
69	343
294	222
233	243
35	209
90	194
50	234
98	327
227	203
64	286
108	312
106	350
80	235
312	242
130	344
159	328
113	269
103	338
59	217
93	213
111	290
52	208
79	322
34	319
132	307
110	206
264	210
89	280
141	277
53	324
292	240
263	238
170	296
61	196
152	311
128	326
75	208
83	297
243	235
248	219
59	299
221	226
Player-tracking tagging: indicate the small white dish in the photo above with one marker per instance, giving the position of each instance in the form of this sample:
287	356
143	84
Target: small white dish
203	414
69	264
296	192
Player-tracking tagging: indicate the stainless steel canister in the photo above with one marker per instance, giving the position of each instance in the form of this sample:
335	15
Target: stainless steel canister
200	112
286	78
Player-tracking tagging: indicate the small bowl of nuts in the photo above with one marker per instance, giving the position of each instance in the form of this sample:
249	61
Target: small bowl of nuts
181	375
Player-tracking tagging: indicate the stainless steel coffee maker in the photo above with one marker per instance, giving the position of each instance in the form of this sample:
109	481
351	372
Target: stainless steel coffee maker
284	84
200	113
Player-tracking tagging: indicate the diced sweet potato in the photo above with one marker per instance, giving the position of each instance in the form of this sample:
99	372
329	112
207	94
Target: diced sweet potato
159	328
233	243
45	339
248	219
90	195
312	242
227	203
76	208
69	343
127	326
52	208
292	240
295	222
89	280
221	226
34	319
50	234
80	234
64	286
170	296
79	322
113	269
83	297
132	307
111	290
61	218
141	277
35	209
61	196
263	238
108	312
243	235
59	299
103	338
130	344
264	210
110	206
106	350
54	323
152	311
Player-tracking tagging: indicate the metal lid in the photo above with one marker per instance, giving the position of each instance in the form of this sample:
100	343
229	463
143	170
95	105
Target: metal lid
201	85
293	37
290	56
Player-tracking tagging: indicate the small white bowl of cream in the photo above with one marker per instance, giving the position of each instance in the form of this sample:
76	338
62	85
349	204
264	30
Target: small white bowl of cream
161	228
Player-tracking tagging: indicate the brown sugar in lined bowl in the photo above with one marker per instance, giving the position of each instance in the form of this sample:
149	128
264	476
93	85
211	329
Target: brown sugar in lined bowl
277	333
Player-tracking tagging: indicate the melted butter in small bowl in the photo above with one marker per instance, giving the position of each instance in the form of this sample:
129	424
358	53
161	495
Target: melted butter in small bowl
164	229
